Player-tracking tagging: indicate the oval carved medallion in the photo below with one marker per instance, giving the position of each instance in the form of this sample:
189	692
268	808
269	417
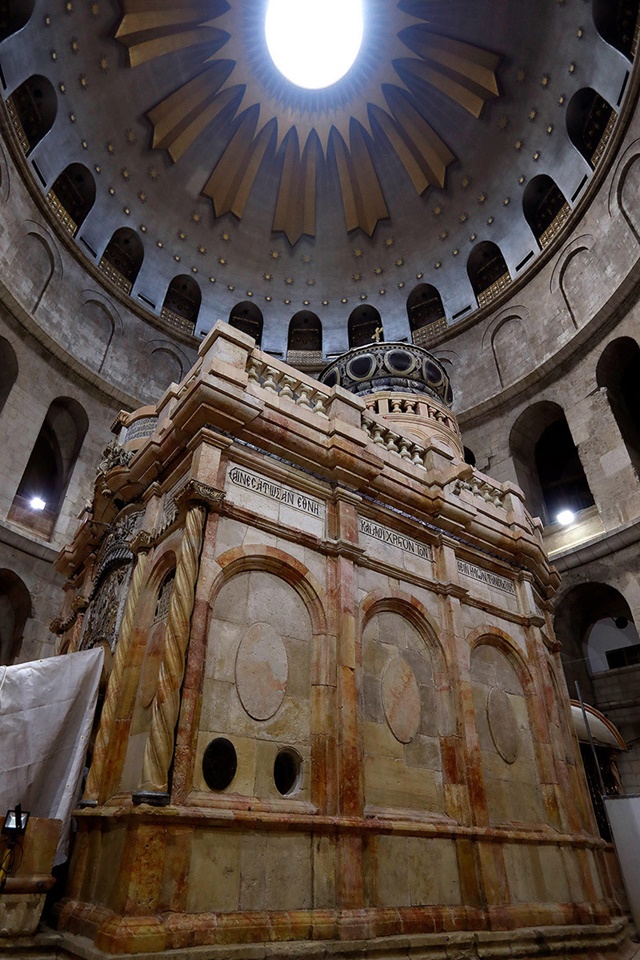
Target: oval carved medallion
262	671
503	725
401	700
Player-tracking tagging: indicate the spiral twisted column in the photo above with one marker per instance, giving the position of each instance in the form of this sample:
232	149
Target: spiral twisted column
166	704
94	786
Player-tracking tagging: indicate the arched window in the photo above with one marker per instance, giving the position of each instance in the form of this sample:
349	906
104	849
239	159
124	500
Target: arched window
182	303
122	258
426	314
14	15
72	196
545	208
488	272
547	463
246	316
44	482
618	371
32	108
8	370
304	345
15	610
365	326
616	22
590	121
469	457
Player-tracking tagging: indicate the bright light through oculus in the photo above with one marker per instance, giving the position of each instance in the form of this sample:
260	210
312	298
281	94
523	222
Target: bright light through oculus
565	517
37	503
314	43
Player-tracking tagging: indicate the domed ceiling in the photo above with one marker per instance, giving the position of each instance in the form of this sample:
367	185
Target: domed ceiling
313	200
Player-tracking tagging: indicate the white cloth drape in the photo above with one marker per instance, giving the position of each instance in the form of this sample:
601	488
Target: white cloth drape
46	714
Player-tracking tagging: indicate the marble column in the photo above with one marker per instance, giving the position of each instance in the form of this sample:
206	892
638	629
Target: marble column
94	790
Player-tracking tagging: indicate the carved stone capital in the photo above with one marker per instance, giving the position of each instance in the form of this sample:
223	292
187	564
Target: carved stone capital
141	543
80	604
194	491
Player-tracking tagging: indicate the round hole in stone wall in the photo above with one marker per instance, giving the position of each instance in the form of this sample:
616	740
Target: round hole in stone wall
286	771
219	763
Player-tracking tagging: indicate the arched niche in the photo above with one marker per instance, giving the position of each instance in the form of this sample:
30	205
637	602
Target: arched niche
590	120
182	303
49	468
618	371
426	314
487	271
364	326
73	195
247	317
616	22
469	457
304	342
545	208
8	370
511	349
257	679
15	610
122	258
33	107
95	326
164	367
510	772
547	462
36	258
14	15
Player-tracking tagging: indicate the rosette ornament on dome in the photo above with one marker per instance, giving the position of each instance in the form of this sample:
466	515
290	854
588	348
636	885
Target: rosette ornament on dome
406	53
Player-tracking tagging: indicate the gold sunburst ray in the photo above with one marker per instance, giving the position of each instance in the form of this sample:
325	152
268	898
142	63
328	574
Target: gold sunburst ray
402	56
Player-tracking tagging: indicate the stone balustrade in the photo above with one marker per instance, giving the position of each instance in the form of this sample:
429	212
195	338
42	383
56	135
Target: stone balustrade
479	487
394	442
284	385
412	405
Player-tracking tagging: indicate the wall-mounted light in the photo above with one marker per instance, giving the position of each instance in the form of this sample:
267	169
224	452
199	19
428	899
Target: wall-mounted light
37	503
565	517
13	828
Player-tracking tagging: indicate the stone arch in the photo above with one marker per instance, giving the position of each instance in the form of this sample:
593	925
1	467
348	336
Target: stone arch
547	462
545	207
35	103
15	609
507	730
264	626
409	720
573	275
487	270
362	325
15	16
165	365
75	191
615	21
122	258
588	120
182	301
618	372
511	349
97	322
273	560
49	468
8	370
4	176
38	262
247	317
426	313
627	173
304	340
